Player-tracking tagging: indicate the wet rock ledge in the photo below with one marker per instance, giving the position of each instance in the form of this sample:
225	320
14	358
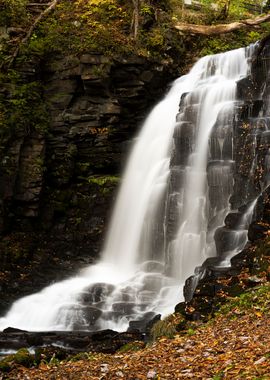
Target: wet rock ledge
106	341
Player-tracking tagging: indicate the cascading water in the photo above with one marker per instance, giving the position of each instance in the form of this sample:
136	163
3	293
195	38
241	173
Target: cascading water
174	196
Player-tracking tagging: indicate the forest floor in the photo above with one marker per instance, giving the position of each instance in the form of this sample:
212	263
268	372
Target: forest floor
235	344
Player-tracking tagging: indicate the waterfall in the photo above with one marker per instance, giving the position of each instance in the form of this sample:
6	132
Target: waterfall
174	196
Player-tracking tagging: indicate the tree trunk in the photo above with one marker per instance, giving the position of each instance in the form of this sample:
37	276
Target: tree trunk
211	30
226	9
135	18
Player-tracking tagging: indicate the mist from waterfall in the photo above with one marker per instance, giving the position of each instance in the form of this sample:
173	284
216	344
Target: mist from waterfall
174	195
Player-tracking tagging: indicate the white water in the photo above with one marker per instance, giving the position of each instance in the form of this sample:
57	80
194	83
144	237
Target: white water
133	280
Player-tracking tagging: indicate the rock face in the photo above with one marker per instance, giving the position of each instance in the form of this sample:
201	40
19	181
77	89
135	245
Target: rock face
57	186
211	283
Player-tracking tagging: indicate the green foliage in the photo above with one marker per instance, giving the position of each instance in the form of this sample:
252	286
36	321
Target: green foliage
22	357
101	25
256	300
237	9
218	376
83	25
103	180
164	328
13	11
190	331
131	347
5	365
219	11
241	38
146	9
23	109
154	40
104	25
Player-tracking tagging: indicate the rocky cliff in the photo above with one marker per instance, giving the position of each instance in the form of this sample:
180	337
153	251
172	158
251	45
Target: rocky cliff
58	180
212	283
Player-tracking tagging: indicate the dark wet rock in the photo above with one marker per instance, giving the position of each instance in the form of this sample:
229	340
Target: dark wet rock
226	239
257	231
34	339
96	293
92	314
190	286
13	330
144	323
124	308
103	335
107	341
233	220
150	325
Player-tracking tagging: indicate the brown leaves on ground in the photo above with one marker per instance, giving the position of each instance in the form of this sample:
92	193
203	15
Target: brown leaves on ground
232	347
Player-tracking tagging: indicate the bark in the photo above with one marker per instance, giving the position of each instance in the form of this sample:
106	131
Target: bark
135	18
43	14
210	30
226	8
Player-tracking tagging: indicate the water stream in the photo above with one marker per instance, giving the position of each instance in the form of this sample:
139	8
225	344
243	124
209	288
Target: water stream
175	194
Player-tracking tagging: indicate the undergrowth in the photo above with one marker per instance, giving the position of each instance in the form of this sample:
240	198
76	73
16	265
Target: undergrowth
22	108
255	301
106	26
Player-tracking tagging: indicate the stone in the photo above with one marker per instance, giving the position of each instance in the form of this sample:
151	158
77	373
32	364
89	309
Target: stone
106	341
61	64
257	231
245	88
97	293
111	108
92	314
94	59
144	323
227	240
233	219
124	308
13	330
34	339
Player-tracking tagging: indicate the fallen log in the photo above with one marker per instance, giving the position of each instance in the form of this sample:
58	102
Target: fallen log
211	30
